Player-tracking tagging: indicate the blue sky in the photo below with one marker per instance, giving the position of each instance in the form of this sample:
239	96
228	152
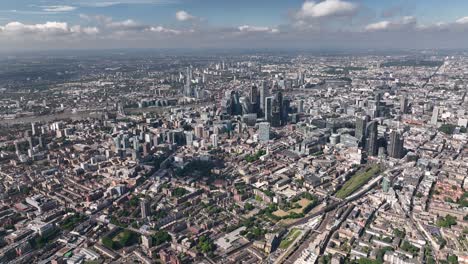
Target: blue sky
221	12
236	23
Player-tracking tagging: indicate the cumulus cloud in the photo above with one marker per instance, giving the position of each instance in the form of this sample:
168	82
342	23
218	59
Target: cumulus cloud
311	9
408	22
134	26
106	3
257	29
128	24
161	29
184	16
58	8
103	31
463	20
85	30
47	29
382	25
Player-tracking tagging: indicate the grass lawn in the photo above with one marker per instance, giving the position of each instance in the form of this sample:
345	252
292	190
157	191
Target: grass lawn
290	238
302	203
280	213
358	180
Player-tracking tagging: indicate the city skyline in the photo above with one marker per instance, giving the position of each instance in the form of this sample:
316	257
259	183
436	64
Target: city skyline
195	24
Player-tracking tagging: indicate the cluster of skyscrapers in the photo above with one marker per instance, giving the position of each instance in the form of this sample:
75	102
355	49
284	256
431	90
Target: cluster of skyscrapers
258	104
367	134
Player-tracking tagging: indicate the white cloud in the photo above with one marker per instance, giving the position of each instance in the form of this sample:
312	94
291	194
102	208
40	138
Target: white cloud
382	25
58	8
160	29
85	30
98	3
103	31
463	20
125	23
408	22
311	9
184	16
101	4
257	29
28	12
47	29
128	24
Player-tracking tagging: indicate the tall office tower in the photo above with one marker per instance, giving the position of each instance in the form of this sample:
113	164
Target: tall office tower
435	115
263	94
361	123
268	108
279	100
41	143
148	137
30	141
145	208
214	140
264	132
117	142
199	130
276	118
236	106
171	139
188	82
33	128
374	110
277	110
189	138
300	106
395	148
146	149
371	131
285	111
300	78
254	99
403	104
377	98
136	144
125	142
245	105
17	150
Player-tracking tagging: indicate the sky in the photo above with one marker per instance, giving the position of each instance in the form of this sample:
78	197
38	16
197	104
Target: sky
230	24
